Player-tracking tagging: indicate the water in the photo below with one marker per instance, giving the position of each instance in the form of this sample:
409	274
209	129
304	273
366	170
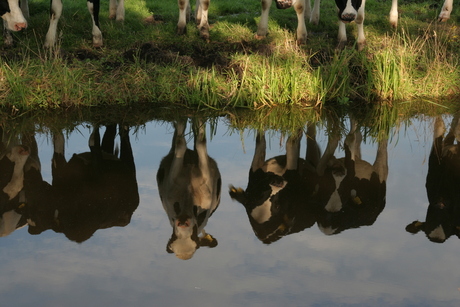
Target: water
378	265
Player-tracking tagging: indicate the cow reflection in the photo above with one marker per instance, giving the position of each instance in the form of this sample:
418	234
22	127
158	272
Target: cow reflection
93	190
287	194
352	191
442	185
278	196
189	183
18	155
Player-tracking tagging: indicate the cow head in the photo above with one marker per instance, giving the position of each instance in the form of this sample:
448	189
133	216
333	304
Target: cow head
12	15
348	9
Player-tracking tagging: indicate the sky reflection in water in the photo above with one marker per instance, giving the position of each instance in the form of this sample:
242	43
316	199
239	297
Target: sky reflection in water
373	265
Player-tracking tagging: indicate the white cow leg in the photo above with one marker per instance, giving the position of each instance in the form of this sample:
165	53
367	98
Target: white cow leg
183	9
360	25
262	29
314	17
445	10
97	34
394	13
299	7
55	14
342	36
202	18
117	10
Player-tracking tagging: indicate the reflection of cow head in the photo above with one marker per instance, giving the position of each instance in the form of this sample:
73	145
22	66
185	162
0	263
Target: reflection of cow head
189	183
442	185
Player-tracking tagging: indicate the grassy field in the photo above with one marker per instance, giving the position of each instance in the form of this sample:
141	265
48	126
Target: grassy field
144	65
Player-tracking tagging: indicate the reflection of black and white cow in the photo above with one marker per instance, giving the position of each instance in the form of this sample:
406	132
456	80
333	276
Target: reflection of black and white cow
15	160
442	185
351	191
93	190
116	11
189	183
201	16
287	194
276	198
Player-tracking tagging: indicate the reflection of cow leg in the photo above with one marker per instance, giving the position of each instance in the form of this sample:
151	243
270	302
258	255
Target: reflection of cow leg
293	151
258	160
381	160
454	132
126	151
58	156
179	147
332	143
108	140
313	154
353	140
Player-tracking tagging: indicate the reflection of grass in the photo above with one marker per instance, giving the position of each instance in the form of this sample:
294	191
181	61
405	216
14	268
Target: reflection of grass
415	65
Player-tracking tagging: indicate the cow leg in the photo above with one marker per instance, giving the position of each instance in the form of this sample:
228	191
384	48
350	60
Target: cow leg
179	147
55	14
360	25
108	140
117	10
93	8
293	151
445	10
314	16
299	7
394	13
258	160
126	151
202	7
184	10
262	29
58	160
313	154
342	36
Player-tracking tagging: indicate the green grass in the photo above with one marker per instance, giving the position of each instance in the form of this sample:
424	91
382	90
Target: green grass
144	64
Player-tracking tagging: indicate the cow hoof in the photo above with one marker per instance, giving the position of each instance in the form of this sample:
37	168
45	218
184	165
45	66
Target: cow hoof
181	31
204	34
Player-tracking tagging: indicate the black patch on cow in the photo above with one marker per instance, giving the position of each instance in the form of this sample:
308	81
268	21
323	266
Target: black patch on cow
4	7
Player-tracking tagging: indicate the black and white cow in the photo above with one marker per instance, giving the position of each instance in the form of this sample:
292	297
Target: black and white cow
189	183
351	192
442	185
348	11
116	11
277	196
93	190
300	9
444	15
287	194
201	16
17	157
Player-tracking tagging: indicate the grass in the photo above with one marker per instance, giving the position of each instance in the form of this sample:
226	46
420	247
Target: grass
144	65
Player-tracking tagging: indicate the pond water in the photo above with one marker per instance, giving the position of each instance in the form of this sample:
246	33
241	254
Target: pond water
378	264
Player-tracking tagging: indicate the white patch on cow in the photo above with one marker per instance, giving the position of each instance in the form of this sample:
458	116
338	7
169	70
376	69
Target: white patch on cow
263	212
327	230
349	9
19	156
14	20
438	233
183	247
335	203
8	222
394	13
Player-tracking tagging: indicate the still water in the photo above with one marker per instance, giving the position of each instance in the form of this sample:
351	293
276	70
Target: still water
128	264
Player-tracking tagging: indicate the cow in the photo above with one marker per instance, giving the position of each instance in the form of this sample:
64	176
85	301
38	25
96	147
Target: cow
116	11
17	157
201	17
300	8
348	11
442	185
287	194
351	192
189	184
92	190
443	16
14	17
